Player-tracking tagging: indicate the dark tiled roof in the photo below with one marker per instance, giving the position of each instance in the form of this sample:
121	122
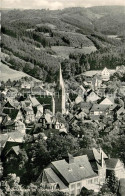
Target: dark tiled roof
78	170
93	154
11	113
111	163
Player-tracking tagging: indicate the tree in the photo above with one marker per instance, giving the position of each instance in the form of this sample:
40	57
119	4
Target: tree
112	182
105	191
11	185
65	144
86	192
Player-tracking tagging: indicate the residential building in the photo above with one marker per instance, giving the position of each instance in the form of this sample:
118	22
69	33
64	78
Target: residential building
105	74
98	109
115	165
70	175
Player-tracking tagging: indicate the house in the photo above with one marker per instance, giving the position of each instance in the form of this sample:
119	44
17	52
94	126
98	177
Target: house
79	99
33	101
115	165
12	92
122	186
97	161
37	107
38	112
13	152
105	74
107	101
27	85
69	175
80	90
85	107
96	82
92	97
3	119
81	115
39	91
20	126
13	114
120	113
122	88
88	81
28	115
13	137
98	109
46	120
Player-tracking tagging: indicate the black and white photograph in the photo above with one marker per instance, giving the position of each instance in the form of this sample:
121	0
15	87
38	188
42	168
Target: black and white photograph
62	98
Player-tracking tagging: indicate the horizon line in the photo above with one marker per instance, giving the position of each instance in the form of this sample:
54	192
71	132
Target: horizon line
4	8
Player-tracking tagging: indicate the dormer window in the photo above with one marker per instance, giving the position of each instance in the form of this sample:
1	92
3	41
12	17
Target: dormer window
81	166
69	169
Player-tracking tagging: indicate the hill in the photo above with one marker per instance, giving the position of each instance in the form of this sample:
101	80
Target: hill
7	73
37	41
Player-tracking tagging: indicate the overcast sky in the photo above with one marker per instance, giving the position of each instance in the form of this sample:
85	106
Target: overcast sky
57	4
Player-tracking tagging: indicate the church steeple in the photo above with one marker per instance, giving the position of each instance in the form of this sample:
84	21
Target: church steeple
60	77
60	94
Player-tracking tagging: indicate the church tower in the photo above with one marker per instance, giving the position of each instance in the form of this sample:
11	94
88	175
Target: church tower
60	96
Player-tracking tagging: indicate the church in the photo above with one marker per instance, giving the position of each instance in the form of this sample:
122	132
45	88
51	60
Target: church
60	95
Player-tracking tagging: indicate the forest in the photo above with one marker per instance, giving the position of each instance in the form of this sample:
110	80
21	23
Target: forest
28	37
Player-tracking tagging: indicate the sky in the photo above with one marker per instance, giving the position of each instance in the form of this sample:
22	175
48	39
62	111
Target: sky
57	4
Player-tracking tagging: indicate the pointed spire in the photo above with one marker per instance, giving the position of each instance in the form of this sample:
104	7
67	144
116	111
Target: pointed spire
60	77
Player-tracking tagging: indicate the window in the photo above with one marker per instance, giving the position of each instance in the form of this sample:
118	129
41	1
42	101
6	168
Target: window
72	186
90	181
72	193
78	191
96	180
78	185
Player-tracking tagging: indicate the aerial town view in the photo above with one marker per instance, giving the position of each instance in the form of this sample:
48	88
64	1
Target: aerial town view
62	98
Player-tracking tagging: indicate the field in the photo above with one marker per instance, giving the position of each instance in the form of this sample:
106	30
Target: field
94	72
64	51
8	73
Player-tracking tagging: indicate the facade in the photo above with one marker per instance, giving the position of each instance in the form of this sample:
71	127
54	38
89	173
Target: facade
89	170
117	166
70	175
105	74
60	95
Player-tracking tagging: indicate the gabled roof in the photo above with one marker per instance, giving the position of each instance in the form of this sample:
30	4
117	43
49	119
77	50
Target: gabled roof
11	113
107	101
98	107
105	70
78	99
111	163
75	171
8	104
34	101
48	118
49	176
13	136
93	154
15	149
120	111
92	97
85	105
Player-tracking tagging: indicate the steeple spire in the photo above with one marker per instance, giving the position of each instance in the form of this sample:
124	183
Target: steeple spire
60	94
61	82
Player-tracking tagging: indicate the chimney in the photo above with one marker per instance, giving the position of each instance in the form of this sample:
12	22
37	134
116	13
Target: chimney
69	158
